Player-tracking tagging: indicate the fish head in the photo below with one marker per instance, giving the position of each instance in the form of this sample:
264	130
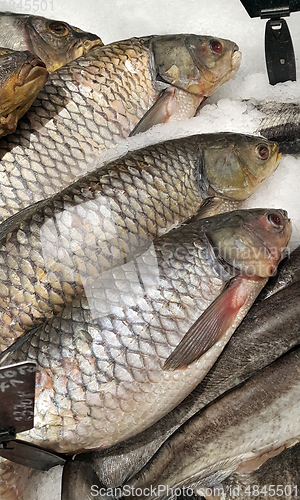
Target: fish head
197	64
56	42
235	164
251	242
22	76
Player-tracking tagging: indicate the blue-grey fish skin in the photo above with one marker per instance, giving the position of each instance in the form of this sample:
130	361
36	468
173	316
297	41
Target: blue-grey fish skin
237	432
279	474
281	122
287	273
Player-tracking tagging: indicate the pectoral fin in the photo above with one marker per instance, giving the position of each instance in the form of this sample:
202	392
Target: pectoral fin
159	113
210	326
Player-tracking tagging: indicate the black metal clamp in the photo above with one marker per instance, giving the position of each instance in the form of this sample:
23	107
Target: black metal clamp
279	51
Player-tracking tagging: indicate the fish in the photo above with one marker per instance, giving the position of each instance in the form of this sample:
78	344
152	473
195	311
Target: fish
55	42
22	76
52	250
270	329
279	122
90	104
287	273
122	355
237	433
279	474
252	346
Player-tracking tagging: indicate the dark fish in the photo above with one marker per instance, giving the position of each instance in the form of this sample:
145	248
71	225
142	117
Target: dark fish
128	351
22	76
55	42
52	250
277	477
93	102
235	434
281	122
287	273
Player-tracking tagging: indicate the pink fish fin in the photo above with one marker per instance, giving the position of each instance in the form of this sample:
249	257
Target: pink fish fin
160	112
210	326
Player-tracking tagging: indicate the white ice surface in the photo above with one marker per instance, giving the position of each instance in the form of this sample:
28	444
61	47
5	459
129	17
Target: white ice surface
120	19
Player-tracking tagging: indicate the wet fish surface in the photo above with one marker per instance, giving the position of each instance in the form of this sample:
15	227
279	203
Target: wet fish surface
22	76
279	474
51	250
287	273
281	122
55	42
270	329
124	354
236	434
95	101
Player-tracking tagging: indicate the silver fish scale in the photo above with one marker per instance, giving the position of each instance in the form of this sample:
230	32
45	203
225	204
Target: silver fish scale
50	251
87	105
105	351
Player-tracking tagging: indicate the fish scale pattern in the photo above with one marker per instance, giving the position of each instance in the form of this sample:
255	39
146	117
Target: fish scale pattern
51	250
100	360
86	106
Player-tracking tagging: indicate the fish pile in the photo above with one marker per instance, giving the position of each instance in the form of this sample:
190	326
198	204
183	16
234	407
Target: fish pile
125	280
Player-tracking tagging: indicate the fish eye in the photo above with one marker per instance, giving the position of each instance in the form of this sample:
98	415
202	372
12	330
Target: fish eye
275	219
263	152
216	46
59	29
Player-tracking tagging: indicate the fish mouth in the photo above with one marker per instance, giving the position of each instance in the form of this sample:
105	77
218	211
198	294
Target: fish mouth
274	254
32	69
84	47
236	57
211	78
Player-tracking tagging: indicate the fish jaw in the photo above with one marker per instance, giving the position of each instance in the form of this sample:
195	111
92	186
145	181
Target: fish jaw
190	62
213	78
20	87
263	238
249	161
77	49
56	42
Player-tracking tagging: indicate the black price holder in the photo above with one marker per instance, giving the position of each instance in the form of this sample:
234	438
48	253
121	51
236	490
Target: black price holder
279	51
17	388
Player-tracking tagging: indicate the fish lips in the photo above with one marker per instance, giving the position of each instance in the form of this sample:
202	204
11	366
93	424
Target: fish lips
32	69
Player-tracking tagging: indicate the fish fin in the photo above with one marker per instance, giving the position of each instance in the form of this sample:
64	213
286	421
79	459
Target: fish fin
209	327
209	207
8	124
12	222
160	112
78	476
9	355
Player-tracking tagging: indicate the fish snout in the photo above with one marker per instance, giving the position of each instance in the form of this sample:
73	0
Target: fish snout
91	44
236	57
